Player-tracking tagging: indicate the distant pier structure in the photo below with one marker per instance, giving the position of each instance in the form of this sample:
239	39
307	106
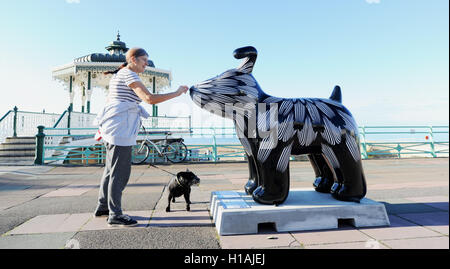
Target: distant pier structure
85	73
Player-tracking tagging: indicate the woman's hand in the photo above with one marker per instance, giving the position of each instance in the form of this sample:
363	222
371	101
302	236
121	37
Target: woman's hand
182	89
154	99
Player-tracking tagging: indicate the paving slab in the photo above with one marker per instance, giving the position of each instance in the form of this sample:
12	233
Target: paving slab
213	187
405	206
262	240
399	229
214	182
439	202
370	244
436	221
12	187
11	201
441	242
234	212
238	181
343	235
240	176
67	170
71	190
142	188
36	241
210	177
413	185
74	222
384	195
52	224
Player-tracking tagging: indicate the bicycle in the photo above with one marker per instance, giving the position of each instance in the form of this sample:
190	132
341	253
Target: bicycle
175	152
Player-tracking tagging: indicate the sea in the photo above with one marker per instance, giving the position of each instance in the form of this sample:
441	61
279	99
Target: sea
389	135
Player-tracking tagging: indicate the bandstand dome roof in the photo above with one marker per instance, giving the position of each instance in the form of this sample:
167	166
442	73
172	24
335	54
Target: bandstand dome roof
105	58
97	63
117	44
117	50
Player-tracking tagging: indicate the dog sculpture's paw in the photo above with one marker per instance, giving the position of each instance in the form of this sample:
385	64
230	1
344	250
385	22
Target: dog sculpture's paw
323	184
250	186
343	194
261	196
188	208
167	209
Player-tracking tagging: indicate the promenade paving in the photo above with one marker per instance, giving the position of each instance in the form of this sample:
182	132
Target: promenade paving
52	206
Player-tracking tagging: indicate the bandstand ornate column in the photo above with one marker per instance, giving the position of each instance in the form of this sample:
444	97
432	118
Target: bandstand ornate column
71	92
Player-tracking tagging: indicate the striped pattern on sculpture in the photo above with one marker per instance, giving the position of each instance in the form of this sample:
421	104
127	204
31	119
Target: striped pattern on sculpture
237	90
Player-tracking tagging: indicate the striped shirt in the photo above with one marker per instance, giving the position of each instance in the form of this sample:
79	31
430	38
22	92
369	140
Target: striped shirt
119	86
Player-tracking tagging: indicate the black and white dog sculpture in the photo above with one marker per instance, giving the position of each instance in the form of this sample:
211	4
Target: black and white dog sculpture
271	129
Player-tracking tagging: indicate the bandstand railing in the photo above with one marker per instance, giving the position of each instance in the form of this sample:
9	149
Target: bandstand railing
6	125
16	123
23	123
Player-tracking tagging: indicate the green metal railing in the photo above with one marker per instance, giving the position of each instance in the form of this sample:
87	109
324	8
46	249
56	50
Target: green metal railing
404	140
94	152
375	142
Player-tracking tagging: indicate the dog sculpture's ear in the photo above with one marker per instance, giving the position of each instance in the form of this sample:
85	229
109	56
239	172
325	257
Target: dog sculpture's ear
336	95
250	54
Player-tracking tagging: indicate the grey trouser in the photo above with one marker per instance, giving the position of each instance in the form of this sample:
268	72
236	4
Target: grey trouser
114	179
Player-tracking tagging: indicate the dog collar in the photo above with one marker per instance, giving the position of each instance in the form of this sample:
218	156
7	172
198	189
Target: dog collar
178	182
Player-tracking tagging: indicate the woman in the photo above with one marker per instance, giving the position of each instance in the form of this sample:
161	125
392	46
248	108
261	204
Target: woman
119	125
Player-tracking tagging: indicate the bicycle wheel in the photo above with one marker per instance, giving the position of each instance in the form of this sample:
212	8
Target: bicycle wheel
140	153
176	152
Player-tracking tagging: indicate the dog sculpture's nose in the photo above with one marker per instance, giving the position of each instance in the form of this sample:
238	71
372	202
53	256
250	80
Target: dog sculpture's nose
192	90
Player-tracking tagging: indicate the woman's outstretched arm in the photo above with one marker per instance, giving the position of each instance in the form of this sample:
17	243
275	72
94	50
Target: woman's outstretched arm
141	91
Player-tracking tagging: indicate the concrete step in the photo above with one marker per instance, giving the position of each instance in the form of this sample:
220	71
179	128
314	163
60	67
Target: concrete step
17	146
17	152
14	159
24	139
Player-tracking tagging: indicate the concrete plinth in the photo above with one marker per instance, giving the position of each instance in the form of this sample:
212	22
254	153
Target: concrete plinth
234	212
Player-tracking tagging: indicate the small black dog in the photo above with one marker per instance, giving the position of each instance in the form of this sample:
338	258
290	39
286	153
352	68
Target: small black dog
181	185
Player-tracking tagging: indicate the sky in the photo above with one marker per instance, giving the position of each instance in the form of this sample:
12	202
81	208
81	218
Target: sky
390	57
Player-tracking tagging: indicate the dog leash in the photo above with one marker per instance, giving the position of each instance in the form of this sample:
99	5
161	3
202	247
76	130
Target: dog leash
161	169
176	178
155	165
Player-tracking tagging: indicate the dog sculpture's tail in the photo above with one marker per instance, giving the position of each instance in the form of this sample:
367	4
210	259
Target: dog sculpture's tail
250	54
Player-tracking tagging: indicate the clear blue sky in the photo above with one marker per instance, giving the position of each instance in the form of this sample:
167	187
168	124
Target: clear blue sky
390	57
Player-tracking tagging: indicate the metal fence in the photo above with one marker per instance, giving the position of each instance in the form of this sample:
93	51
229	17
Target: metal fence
23	123
375	142
17	123
403	141
80	147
